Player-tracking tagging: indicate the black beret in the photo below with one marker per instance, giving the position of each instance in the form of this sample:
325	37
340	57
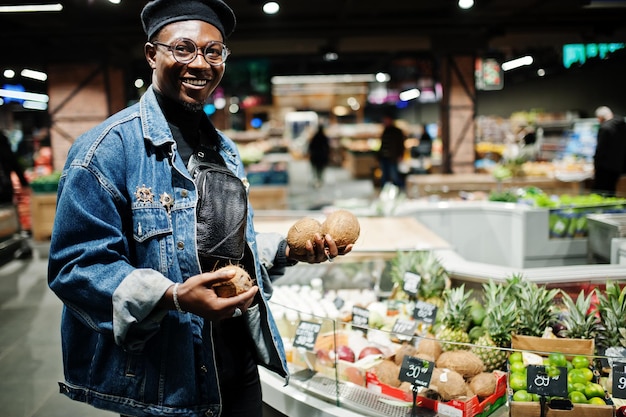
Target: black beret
159	13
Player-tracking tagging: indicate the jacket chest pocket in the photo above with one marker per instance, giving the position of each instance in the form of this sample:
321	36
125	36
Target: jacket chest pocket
153	238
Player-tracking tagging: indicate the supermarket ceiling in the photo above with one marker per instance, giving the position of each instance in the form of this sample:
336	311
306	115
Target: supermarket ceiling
361	32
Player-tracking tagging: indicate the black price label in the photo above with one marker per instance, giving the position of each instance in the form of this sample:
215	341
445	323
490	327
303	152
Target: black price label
425	312
416	371
412	283
404	327
550	382
619	380
338	302
360	317
306	335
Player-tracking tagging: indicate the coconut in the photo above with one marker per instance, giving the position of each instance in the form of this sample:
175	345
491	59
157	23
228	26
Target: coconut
300	232
467	363
405	350
483	384
388	373
451	385
431	347
238	284
343	226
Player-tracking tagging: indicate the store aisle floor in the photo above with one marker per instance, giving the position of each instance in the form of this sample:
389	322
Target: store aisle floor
30	346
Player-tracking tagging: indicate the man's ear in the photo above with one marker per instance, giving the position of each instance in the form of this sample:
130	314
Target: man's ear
150	51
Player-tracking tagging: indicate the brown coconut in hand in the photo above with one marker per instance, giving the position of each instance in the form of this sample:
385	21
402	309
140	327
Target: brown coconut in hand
238	284
300	232
343	227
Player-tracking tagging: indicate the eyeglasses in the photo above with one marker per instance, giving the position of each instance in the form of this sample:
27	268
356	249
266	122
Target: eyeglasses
186	50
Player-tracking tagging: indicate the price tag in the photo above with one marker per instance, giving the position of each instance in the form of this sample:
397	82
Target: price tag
412	283
416	371
619	380
425	312
553	384
306	335
360	317
404	327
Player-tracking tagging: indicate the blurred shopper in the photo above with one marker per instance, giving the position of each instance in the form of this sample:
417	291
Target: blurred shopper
391	151
319	155
8	165
609	160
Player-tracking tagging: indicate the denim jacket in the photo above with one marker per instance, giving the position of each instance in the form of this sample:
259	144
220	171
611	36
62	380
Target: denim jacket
125	231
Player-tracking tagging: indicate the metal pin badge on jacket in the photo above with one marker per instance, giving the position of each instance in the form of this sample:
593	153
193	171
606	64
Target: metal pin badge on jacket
144	194
166	201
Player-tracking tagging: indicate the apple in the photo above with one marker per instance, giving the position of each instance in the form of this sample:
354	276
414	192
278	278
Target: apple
323	357
370	350
345	353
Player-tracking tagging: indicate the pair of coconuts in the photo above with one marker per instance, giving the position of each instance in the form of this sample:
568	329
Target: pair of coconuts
342	225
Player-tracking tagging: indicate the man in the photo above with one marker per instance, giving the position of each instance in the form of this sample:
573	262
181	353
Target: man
391	151
143	332
610	155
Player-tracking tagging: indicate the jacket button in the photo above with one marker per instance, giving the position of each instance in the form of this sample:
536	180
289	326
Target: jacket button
209	413
184	193
181	245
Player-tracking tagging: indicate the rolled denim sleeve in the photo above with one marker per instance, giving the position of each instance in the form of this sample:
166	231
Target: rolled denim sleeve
136	316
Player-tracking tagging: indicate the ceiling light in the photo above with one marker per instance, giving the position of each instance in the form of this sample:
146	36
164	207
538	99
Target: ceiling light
9	73
25	8
312	79
271	7
516	63
411	94
22	95
35	75
466	4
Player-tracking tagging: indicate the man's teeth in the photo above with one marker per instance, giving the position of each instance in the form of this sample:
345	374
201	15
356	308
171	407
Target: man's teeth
199	83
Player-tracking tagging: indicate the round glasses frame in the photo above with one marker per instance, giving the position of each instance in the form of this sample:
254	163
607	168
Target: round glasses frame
185	51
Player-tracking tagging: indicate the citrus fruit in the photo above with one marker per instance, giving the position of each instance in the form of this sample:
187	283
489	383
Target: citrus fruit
522	395
597	401
517	381
517	367
577	397
580	362
587	373
577	376
516	357
557	359
594	390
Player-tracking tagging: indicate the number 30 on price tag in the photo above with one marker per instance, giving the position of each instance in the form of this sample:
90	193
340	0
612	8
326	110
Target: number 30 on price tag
416	371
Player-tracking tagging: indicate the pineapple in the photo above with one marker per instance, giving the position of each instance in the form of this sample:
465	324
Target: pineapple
455	319
500	320
536	308
612	307
434	278
579	322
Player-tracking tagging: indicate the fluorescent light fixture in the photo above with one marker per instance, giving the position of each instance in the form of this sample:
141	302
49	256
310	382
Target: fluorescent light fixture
319	79
23	95
35	105
35	75
516	63
271	7
27	8
411	94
